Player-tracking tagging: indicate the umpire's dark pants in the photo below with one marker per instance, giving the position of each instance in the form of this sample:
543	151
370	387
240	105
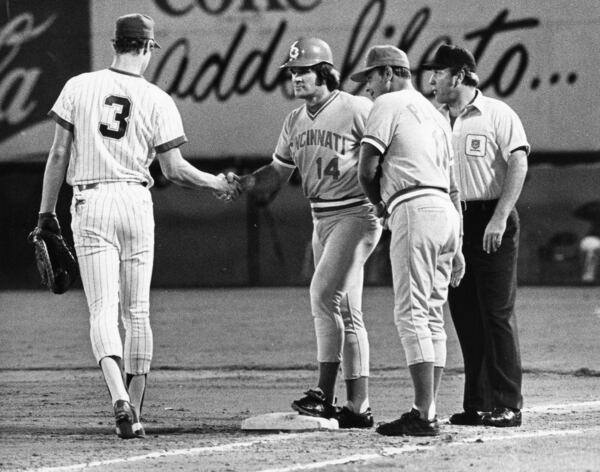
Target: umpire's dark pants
483	312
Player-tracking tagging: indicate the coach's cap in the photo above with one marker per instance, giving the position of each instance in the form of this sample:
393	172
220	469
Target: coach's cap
451	56
135	26
379	56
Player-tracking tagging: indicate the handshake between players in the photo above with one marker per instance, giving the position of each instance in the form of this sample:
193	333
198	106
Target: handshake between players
264	182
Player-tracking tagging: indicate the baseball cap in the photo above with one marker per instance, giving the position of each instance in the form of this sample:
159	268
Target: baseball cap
135	26
451	56
379	56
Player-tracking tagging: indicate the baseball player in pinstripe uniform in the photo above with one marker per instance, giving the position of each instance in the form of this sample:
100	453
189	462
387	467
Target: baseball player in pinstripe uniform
491	158
110	125
405	169
321	139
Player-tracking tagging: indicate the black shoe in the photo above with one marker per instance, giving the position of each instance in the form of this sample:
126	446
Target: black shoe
467	418
348	419
314	404
409	424
124	419
503	418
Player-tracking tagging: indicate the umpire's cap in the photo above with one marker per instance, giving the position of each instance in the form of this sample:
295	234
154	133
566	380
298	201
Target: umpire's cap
135	26
379	56
308	52
452	56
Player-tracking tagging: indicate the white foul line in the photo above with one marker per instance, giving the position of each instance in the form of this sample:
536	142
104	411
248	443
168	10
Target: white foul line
344	460
395	451
563	406
177	452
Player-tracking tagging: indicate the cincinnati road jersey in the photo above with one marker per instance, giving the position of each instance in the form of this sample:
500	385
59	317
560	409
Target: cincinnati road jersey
324	146
119	121
415	141
485	134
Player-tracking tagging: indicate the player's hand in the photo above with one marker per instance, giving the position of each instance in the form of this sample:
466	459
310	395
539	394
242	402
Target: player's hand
381	210
235	187
458	269
49	222
492	237
230	189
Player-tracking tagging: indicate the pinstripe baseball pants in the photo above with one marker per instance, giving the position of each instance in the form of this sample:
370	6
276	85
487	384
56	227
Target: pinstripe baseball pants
113	230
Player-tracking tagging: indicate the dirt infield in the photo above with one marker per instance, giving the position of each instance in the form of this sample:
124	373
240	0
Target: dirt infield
223	355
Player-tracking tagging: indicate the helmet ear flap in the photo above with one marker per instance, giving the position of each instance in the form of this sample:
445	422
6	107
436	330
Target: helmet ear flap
307	52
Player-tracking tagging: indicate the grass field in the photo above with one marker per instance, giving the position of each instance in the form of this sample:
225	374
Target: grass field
223	355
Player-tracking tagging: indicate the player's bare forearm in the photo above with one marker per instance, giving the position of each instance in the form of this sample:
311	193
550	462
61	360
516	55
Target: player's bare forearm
54	176
369	172
56	167
181	172
265	180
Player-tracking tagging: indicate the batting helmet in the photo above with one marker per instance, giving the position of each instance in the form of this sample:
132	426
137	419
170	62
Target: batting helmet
308	52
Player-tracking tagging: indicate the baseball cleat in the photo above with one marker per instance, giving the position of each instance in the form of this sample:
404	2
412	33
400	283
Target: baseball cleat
314	404
468	418
349	419
409	424
128	425
503	418
138	428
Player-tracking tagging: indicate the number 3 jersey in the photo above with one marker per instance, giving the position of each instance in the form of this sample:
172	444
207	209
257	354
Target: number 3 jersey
324	146
119	121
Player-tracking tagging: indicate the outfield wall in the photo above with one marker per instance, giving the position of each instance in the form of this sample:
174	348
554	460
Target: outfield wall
219	60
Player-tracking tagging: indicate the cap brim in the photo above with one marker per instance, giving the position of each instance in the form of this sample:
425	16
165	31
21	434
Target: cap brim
143	39
361	75
434	65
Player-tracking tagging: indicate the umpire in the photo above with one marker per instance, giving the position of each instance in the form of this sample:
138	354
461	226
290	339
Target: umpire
491	152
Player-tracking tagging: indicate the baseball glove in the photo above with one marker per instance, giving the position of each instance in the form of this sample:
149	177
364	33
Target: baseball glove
55	260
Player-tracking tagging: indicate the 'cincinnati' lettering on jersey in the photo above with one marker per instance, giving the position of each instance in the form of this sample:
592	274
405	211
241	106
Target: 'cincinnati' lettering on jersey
320	137
324	146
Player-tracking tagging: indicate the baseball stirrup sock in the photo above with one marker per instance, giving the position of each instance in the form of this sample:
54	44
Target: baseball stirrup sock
129	378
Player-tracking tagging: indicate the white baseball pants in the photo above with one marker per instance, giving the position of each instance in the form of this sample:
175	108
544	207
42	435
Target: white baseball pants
113	230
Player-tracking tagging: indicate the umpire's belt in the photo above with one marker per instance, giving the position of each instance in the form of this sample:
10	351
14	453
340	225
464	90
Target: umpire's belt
479	206
412	192
319	205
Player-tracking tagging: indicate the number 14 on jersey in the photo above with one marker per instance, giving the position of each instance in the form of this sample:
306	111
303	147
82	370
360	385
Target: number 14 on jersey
330	168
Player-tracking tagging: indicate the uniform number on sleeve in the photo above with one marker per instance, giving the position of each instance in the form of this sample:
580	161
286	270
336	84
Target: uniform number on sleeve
331	169
120	108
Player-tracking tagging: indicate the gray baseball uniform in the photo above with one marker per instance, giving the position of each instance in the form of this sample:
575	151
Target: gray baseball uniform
324	146
415	181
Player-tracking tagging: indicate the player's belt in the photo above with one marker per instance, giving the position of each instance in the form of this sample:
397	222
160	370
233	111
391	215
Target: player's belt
319	205
412	192
82	187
